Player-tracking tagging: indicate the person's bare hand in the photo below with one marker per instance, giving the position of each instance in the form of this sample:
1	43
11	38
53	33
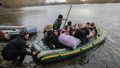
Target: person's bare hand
30	46
35	52
73	32
53	46
7	36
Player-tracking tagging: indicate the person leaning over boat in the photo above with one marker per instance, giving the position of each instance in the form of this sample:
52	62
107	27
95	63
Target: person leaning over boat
93	29
53	40
58	22
84	28
17	48
80	33
1	32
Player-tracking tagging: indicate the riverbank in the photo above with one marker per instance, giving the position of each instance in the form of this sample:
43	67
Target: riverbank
94	2
5	11
3	63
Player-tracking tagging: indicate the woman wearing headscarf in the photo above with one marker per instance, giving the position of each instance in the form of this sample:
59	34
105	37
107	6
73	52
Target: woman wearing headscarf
53	40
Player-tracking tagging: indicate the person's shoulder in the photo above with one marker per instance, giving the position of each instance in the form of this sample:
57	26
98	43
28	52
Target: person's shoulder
95	27
90	28
52	35
56	20
50	31
17	40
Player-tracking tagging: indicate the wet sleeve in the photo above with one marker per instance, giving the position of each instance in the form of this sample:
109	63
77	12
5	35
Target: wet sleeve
2	33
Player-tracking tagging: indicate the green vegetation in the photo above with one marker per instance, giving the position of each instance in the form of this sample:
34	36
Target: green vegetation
92	1
21	3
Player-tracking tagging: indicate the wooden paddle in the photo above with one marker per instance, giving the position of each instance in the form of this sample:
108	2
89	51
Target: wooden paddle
67	16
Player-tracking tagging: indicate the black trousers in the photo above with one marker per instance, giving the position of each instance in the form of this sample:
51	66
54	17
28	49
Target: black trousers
20	53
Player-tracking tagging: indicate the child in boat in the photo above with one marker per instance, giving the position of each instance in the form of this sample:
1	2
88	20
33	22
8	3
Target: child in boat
93	30
53	40
67	31
47	32
70	24
90	33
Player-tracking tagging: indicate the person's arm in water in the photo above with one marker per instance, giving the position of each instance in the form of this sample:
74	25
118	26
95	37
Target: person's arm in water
4	35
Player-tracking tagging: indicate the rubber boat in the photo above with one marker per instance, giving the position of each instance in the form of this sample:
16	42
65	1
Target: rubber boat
14	31
47	55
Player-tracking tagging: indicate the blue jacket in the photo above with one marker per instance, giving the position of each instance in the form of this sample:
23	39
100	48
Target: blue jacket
46	40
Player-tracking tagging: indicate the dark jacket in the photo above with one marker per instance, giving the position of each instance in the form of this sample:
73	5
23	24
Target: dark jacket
86	31
53	40
80	34
15	45
46	40
57	24
95	31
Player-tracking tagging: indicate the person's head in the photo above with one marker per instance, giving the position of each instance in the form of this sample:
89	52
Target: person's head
92	25
75	27
69	23
88	25
68	28
55	32
48	27
0	4
80	25
24	34
60	17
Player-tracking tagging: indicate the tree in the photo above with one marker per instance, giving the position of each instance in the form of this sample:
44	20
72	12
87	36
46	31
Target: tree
73	1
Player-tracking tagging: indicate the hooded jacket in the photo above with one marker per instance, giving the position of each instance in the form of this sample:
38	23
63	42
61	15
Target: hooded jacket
15	45
53	40
86	31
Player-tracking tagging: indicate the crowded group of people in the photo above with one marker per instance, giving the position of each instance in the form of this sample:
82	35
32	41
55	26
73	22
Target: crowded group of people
80	31
17	47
